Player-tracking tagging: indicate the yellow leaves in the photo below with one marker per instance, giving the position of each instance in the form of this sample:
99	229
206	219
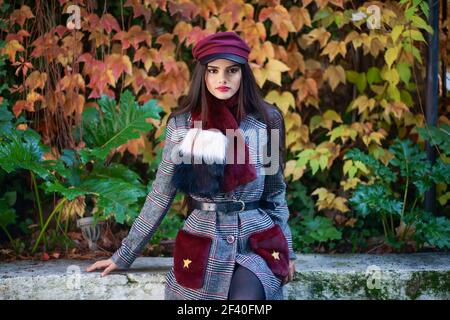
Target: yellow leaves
325	121
281	20
292	170
334	75
375	44
344	132
253	33
317	34
350	183
396	32
71	82
271	71
283	100
397	108
363	103
334	48
351	168
321	157
391	55
297	134
11	48
328	200
36	80
357	39
390	75
262	52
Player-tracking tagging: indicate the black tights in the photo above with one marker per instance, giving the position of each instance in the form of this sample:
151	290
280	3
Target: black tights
245	285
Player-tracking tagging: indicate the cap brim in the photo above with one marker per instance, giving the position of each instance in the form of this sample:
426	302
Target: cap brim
228	56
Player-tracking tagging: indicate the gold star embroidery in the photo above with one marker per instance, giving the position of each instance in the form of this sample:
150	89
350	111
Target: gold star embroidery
276	255
186	263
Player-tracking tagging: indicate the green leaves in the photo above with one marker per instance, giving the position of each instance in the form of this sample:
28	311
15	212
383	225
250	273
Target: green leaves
437	136
117	190
115	126
319	229
375	199
435	230
358	79
22	150
380	171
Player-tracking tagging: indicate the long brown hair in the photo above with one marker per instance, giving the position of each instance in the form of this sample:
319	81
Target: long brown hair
249	100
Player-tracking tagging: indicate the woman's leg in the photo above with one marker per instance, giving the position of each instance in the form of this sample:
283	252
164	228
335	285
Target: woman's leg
245	285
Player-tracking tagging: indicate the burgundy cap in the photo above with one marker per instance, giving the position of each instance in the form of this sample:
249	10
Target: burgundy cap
227	45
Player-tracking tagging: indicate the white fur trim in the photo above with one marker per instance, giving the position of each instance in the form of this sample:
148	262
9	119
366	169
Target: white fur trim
210	145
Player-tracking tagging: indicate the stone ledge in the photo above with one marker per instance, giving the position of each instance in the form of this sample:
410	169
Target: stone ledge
319	276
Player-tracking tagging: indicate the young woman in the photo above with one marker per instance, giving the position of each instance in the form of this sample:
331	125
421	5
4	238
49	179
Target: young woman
235	243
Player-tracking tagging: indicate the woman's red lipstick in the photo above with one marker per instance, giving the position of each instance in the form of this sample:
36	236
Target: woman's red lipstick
223	89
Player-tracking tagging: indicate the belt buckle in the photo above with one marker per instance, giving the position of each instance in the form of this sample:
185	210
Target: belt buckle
209	206
243	205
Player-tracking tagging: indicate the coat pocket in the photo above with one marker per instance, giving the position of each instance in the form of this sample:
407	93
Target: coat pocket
190	257
272	246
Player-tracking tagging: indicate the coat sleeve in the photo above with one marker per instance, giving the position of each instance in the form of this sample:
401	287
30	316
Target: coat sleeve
156	205
275	191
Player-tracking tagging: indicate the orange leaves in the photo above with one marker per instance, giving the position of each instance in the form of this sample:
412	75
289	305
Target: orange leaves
317	34
36	80
140	9
188	34
133	37
334	48
300	17
232	12
252	32
146	56
103	73
109	23
19	16
117	64
307	90
167	45
175	81
186	8
281	20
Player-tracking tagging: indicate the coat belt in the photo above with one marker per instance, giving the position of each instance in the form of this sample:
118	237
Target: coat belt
233	206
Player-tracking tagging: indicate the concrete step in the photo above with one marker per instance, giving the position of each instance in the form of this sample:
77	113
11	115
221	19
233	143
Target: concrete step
319	276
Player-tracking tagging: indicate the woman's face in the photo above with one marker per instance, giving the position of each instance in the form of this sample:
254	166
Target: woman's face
223	78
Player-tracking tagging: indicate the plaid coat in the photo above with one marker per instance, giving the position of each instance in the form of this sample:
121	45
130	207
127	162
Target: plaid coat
227	234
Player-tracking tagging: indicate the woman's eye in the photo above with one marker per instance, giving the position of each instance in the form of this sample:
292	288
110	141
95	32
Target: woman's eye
234	70
211	71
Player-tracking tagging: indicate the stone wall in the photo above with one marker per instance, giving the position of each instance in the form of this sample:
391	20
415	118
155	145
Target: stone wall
349	276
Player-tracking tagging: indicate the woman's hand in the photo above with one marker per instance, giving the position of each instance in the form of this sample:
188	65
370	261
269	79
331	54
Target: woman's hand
291	274
108	265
